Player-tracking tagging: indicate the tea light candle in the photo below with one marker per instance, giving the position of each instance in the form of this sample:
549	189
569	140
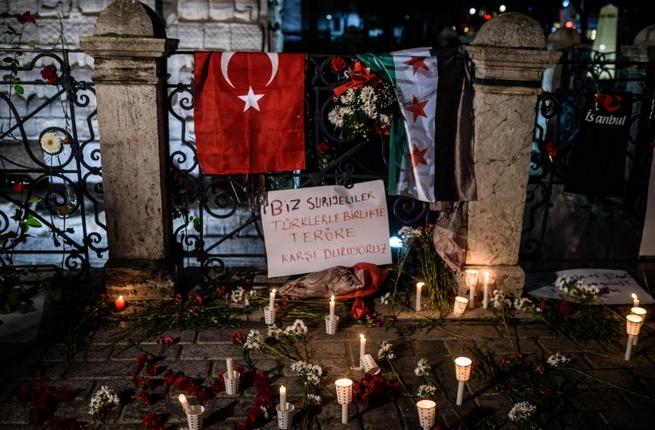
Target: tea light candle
332	307
283	398
471	281
271	299
427	411
635	300
486	279
642	313
184	402
632	326
230	367
344	388
119	303
362	349
463	374
460	306
419	286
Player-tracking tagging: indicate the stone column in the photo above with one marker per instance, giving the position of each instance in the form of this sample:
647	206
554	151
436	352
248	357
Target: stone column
128	46
509	57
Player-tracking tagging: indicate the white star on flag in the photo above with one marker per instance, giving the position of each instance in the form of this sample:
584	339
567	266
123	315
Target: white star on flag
251	99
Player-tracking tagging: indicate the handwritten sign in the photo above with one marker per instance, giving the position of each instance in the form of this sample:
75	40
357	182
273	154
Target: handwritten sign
311	229
616	285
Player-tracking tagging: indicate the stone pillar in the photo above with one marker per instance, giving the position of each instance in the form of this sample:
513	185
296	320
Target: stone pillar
509	57
128	46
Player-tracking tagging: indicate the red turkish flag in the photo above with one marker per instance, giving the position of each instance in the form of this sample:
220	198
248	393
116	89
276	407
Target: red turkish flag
249	112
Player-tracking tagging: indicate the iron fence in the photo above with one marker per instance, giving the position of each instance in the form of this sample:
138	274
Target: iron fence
553	218
51	204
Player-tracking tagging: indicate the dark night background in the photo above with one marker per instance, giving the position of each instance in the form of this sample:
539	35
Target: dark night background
328	26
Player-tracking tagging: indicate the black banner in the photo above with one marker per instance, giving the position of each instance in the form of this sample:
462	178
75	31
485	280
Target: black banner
596	162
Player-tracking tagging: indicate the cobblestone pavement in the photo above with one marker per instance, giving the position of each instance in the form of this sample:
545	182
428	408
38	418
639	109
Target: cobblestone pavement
202	354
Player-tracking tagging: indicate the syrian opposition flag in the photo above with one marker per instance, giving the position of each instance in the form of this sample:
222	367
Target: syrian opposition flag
414	76
249	112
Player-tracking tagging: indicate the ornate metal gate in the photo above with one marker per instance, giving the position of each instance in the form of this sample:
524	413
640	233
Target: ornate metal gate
51	206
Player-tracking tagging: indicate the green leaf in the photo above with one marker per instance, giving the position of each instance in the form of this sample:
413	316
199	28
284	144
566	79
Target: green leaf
19	89
197	225
7	59
31	43
34	200
32	222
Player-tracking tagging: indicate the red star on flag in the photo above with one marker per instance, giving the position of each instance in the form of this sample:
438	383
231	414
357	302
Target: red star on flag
417	64
418	156
416	108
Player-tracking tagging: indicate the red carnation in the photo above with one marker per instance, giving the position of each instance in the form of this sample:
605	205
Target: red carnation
323	147
19	187
565	308
153	421
49	74
239	338
165	340
26	17
551	149
338	64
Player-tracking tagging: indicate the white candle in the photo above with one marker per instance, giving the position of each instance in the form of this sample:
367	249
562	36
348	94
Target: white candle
230	367
635	300
471	278
332	307
485	292
460	393
419	285
183	401
271	300
472	297
283	398
362	349
628	348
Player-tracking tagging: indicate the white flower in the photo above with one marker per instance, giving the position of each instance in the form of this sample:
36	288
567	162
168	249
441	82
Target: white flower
386	351
524	304
500	299
254	340
521	412
236	296
385	119
385	298
298	328
50	143
102	399
557	359
407	233
274	331
576	287
310	373
422	367
350	96
336	117
265	411
426	391
313	399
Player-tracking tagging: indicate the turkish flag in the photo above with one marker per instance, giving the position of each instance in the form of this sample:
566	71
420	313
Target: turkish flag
249	112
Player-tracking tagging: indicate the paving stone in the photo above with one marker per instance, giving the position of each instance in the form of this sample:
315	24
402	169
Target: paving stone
132	352
629	419
100	370
613	360
380	418
15	413
110	336
219	335
133	413
599	400
559	344
430	348
329	416
328	349
210	352
191	368
181	337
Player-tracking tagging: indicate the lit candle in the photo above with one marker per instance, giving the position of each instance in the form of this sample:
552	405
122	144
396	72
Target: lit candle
427	411
283	398
332	307
362	349
120	303
642	313
271	300
471	281
344	388
230	367
184	402
486	278
635	300
463	374
460	306
419	285
633	324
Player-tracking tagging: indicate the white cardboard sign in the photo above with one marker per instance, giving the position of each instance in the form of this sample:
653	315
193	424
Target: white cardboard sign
616	286
311	229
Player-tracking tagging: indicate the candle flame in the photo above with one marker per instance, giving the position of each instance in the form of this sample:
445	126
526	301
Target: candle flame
120	297
634	296
273	291
487	276
332	299
420	284
361	336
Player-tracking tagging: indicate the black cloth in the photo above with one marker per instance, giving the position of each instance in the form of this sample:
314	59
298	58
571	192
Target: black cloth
596	162
454	173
